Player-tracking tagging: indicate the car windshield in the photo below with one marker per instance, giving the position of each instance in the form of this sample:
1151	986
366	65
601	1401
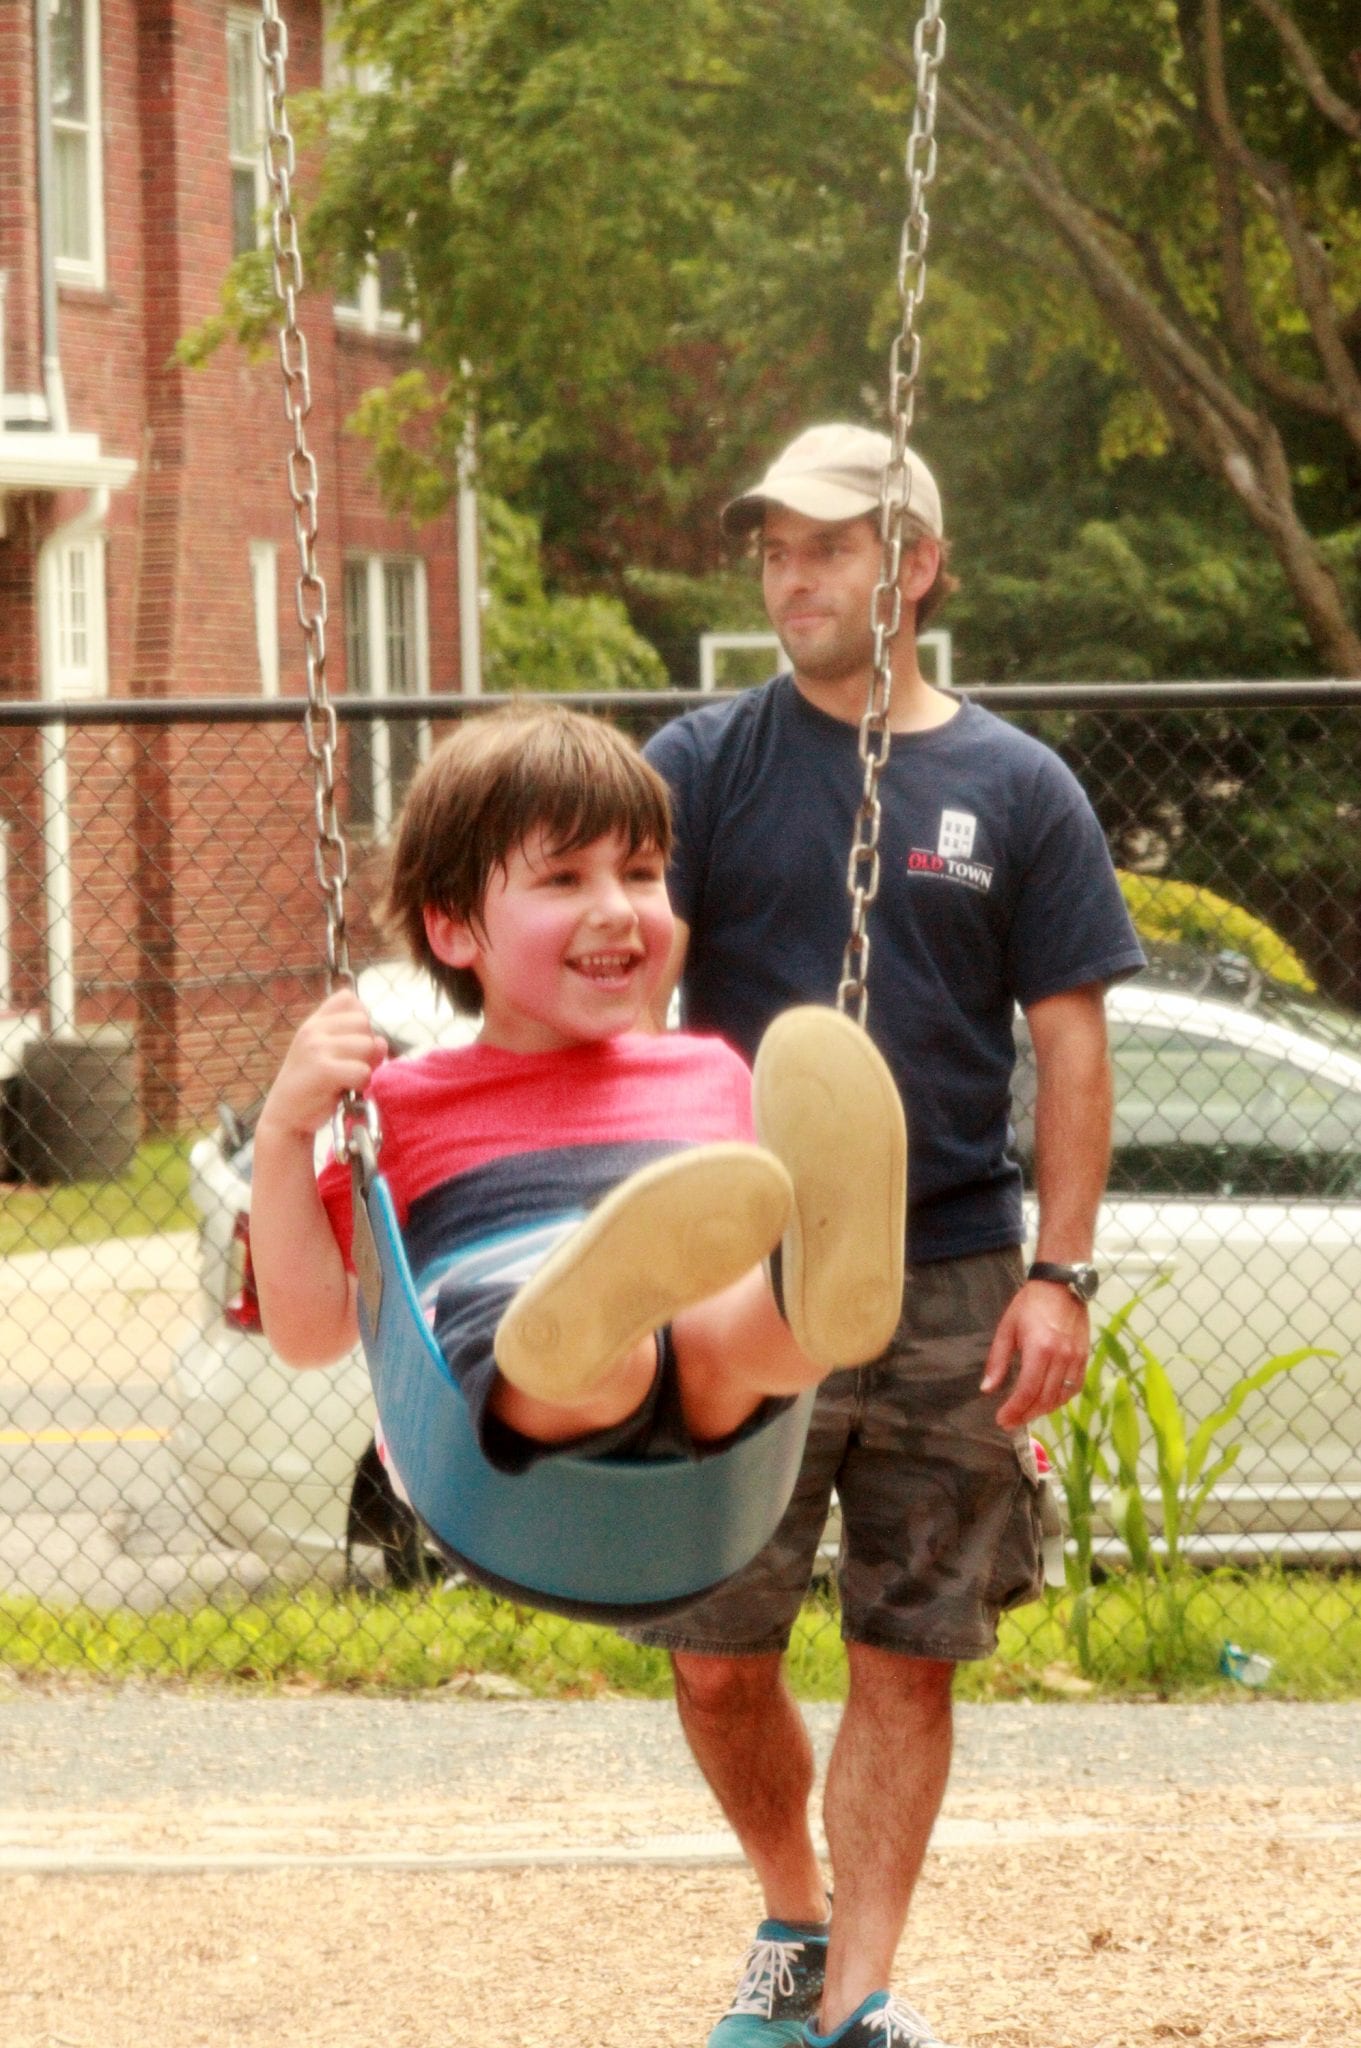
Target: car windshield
1202	1111
1232	978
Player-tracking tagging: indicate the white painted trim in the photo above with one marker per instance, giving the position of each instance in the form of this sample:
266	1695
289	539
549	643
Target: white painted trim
58	874
60	462
469	574
264	591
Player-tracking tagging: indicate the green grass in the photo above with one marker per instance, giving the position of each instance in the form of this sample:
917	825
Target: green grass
153	1195
1309	1623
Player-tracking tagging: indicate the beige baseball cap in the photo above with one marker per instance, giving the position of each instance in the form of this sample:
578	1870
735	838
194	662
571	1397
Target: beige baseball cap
834	472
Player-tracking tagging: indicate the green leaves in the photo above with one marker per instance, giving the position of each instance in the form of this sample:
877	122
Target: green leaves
1129	1424
644	238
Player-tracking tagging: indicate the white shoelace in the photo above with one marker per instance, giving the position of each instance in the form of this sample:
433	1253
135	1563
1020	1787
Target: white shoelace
768	1970
903	2027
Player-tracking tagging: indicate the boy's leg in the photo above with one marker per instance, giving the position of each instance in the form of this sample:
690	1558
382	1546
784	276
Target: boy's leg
674	1233
827	1105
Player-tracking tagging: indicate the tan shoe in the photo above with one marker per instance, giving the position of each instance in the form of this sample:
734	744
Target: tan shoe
827	1105
672	1234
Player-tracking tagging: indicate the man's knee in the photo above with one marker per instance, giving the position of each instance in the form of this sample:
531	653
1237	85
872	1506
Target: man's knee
723	1686
923	1684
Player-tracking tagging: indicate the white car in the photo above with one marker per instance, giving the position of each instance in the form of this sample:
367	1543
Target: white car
1234	1213
272	1460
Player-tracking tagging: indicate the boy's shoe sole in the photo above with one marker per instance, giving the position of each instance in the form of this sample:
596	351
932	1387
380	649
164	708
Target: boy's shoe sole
672	1234
827	1106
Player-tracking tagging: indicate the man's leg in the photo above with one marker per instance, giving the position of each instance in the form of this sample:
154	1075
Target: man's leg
750	1742
885	1783
749	1739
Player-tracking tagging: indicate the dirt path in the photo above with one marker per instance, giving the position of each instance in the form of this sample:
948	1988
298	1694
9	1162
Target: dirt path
1102	1878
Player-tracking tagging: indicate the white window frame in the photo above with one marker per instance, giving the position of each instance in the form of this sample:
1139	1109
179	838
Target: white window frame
937	643
365	312
375	631
89	269
243	155
264	591
71	598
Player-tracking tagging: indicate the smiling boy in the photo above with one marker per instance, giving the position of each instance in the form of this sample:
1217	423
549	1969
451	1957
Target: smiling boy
586	1206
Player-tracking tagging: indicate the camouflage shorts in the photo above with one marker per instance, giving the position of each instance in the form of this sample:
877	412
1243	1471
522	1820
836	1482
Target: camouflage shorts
940	1508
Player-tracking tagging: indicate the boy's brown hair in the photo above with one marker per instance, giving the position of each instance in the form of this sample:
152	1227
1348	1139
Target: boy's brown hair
501	776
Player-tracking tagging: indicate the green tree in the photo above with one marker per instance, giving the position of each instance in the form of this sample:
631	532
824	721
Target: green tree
644	237
1192	166
620	214
536	641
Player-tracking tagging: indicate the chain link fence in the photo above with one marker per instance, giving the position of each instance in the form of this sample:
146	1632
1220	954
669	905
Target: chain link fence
161	934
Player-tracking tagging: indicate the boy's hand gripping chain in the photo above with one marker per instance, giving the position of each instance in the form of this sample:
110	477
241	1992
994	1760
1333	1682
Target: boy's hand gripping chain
353	1114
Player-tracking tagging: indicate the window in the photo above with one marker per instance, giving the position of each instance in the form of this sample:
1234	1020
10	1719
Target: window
78	199
264	585
245	132
1199	1116
385	656
72	595
374	302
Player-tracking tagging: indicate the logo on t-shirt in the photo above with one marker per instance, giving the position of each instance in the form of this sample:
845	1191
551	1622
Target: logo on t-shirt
951	859
957	830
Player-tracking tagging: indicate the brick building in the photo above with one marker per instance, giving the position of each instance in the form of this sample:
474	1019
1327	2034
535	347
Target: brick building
146	547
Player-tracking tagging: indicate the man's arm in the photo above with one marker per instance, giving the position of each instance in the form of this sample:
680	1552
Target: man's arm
1045	1328
666	987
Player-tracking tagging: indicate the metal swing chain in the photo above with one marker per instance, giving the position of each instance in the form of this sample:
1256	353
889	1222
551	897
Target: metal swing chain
330	856
354	1116
862	874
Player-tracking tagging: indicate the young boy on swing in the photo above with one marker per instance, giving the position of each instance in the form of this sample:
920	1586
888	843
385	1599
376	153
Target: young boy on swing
586	1205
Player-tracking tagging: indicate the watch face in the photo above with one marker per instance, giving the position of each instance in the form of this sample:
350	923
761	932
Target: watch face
1085	1281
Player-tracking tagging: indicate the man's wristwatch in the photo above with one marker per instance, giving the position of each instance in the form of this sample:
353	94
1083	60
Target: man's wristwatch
1081	1281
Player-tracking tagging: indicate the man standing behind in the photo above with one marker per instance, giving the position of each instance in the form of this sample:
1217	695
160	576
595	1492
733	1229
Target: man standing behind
996	888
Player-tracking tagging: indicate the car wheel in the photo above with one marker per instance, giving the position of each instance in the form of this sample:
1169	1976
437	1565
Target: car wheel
377	1518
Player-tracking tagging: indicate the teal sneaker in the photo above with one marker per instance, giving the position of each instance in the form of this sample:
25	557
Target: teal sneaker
882	2021
780	1988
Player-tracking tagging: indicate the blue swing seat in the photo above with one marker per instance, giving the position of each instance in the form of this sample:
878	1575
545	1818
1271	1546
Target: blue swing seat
601	1539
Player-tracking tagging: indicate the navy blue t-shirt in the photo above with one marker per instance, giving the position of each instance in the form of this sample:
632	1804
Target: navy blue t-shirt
996	889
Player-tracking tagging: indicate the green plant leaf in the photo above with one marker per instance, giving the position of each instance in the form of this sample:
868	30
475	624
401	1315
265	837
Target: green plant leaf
1164	1413
1209	1429
1131	1522
1125	1433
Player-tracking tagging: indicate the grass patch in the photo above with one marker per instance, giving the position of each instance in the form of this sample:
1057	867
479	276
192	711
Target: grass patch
153	1195
1309	1623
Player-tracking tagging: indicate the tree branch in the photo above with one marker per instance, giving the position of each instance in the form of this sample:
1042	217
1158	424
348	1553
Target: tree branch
1330	104
1238	446
1233	159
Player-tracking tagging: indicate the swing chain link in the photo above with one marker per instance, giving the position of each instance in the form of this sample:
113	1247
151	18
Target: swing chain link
355	1129
862	874
322	733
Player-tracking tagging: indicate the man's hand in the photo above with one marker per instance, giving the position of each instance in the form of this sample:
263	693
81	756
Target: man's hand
1048	1331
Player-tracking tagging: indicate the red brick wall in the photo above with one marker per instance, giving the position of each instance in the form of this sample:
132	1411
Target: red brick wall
205	966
